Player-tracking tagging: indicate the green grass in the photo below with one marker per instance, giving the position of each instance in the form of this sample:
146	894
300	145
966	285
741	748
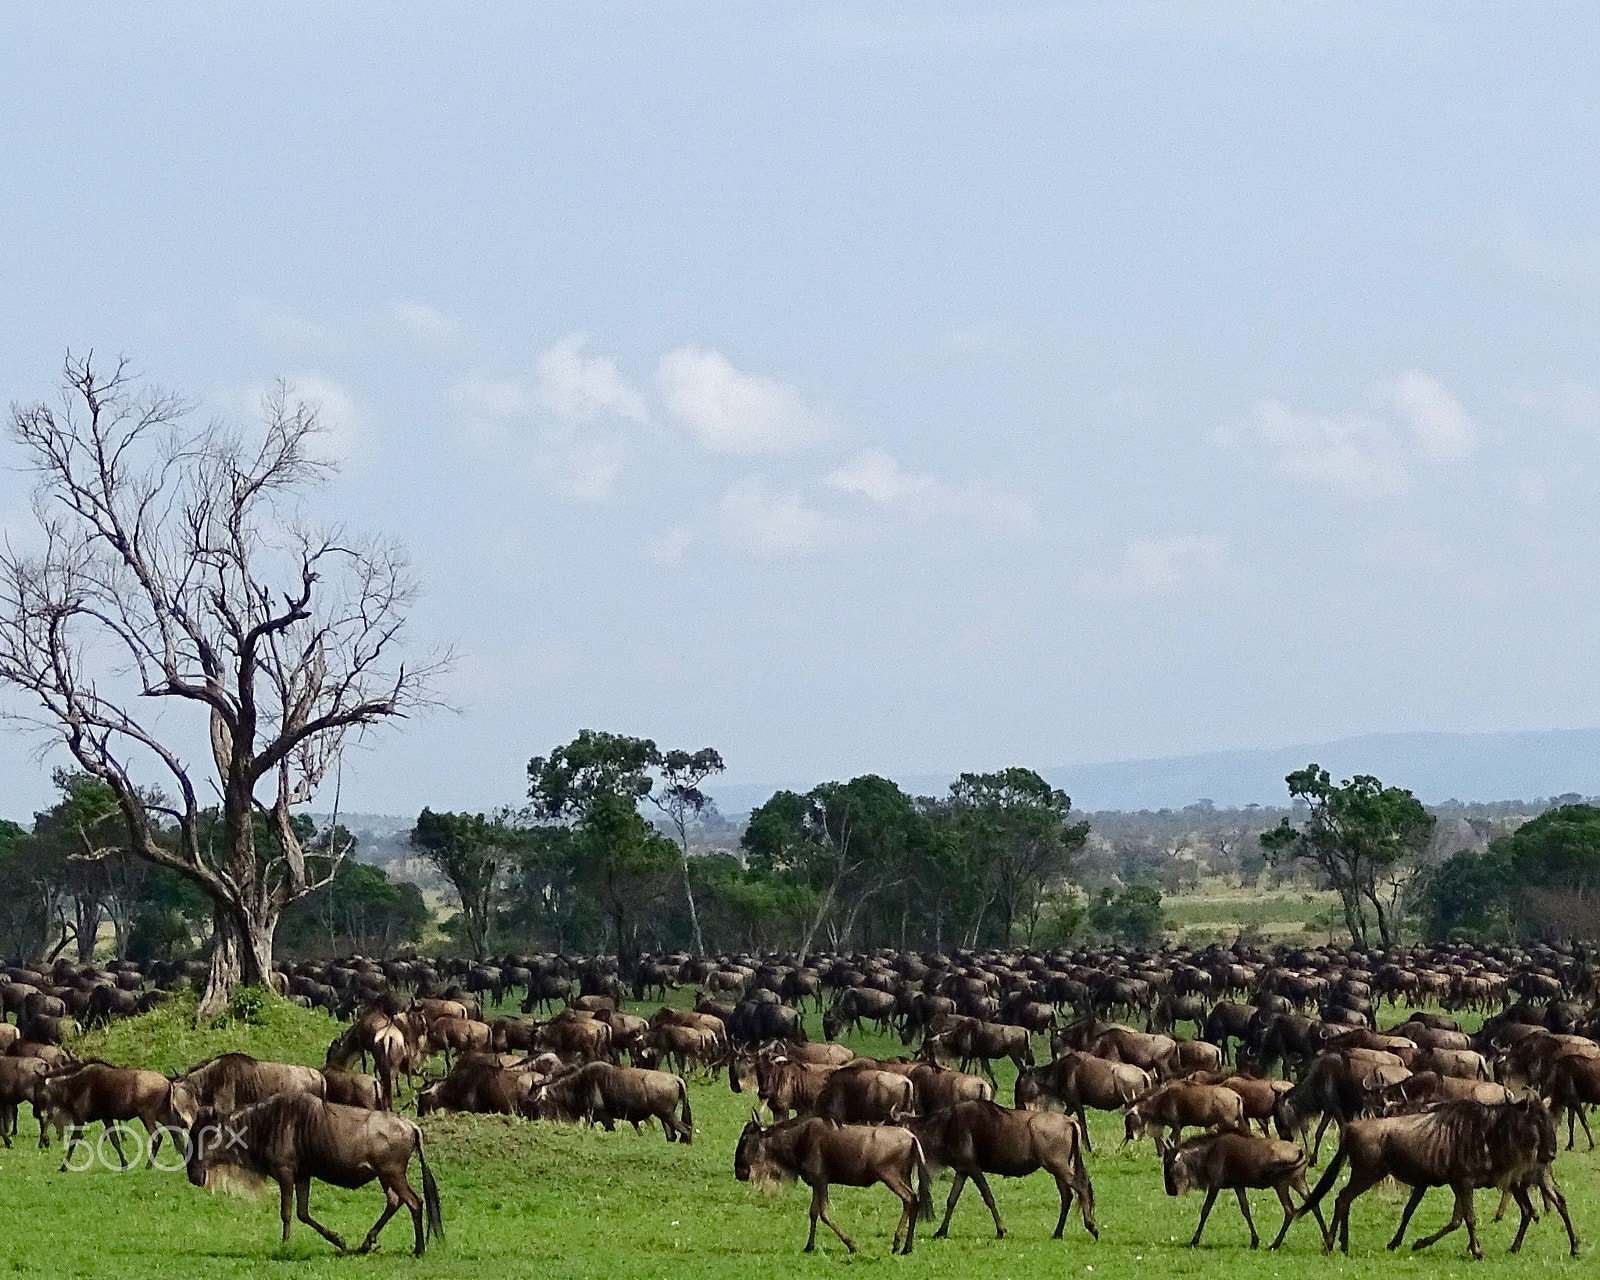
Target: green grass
532	1200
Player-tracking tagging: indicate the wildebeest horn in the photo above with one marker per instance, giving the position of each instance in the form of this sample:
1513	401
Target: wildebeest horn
755	1118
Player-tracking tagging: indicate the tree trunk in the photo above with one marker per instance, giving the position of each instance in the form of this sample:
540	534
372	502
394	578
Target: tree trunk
241	955
694	915
86	925
1354	920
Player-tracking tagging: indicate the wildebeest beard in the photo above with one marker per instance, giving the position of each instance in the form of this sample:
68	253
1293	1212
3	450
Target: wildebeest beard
768	1176
237	1181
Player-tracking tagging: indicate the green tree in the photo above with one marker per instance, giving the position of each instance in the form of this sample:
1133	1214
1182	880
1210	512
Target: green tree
1365	838
361	910
594	784
847	841
1019	838
1473	896
1133	916
468	850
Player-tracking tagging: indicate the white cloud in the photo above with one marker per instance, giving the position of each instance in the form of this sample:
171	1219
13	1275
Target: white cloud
772	524
729	411
1435	416
289	330
1160	566
585	470
577	387
1358	455
427	325
873	474
670	547
492	397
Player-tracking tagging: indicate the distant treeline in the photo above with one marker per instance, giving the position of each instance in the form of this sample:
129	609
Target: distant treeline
619	848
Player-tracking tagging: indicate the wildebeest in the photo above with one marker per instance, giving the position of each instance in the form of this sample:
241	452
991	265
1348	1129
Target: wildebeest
352	1089
576	1038
231	1081
484	1088
979	1137
821	1152
1461	1145
787	1086
865	1094
603	1094
939	1088
852	1005
1179	1106
70	1099
1238	1162
18	1078
293	1138
1078	1080
1573	1084
967	1040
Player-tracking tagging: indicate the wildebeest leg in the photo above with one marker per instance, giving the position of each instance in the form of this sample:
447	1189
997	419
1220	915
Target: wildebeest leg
950	1205
819	1209
302	1196
988	1199
393	1197
71	1135
1244	1208
8	1123
1288	1214
1360	1181
113	1130
1527	1214
1462	1213
285	1205
1551	1191
1205	1212
1083	1123
1405	1218
905	1230
1316	1146
988	1070
1584	1121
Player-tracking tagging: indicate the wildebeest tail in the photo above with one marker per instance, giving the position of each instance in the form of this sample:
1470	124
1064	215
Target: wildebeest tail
430	1195
688	1116
1078	1166
1325	1183
924	1182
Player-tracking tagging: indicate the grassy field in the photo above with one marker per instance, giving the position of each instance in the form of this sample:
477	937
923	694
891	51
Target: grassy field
532	1200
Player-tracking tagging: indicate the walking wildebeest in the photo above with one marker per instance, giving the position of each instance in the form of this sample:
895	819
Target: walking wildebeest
70	1099
1461	1145
1179	1106
968	1040
1078	1080
231	1081
821	1152
602	1093
292	1138
1238	1161
975	1138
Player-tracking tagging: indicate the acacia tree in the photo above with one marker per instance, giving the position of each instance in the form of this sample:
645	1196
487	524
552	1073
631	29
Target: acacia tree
178	573
682	801
1365	838
468	850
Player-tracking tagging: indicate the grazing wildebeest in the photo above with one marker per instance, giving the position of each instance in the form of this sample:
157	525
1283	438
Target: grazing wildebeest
1179	1106
967	1040
602	1093
1157	1054
821	1152
1227	1022
1336	1090
454	1036
1461	1145
979	1137
1237	1162
70	1099
507	1034
1429	1086
232	1081
1078	1080
866	1094
1465	1064
18	1078
575	1038
852	1005
292	1138
392	1041
685	1047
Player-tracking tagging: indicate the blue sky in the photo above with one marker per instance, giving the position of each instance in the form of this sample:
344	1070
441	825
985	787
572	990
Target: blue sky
894	388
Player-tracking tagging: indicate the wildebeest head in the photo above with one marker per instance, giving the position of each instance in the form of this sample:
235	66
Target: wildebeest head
831	1024
1029	1091
1177	1167
218	1155
182	1105
1135	1124
751	1161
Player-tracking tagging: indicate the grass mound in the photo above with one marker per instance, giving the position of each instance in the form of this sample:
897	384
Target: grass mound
168	1040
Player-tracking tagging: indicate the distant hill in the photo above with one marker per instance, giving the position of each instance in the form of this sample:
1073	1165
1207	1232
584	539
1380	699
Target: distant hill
1437	766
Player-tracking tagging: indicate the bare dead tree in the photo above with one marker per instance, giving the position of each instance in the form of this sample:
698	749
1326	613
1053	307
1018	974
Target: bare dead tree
177	573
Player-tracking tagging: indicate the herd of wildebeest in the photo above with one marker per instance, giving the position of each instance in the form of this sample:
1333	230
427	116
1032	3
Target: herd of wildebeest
1259	1052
